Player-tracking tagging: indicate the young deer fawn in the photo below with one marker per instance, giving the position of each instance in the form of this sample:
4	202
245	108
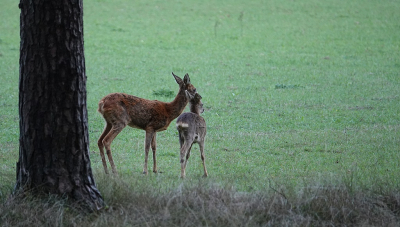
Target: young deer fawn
192	129
120	110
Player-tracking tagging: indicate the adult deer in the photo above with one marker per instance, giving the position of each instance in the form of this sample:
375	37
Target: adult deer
120	110
192	129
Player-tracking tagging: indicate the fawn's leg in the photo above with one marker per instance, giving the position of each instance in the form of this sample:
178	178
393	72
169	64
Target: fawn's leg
181	139
184	149
115	130
201	145
188	154
100	144
147	142
153	148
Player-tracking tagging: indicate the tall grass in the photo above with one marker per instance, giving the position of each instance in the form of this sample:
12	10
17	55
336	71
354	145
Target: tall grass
204	204
302	110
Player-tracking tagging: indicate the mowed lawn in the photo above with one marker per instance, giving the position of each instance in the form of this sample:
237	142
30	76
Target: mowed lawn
295	92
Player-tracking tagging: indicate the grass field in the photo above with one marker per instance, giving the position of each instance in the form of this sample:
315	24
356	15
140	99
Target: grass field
297	93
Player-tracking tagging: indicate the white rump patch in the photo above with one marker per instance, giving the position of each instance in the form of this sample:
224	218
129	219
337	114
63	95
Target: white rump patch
182	125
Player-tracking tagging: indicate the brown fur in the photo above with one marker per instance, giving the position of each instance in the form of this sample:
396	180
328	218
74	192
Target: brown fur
120	110
192	129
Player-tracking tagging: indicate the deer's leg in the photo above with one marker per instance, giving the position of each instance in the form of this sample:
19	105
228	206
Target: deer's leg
181	139
147	142
115	130
188	154
153	148
100	144
184	149
201	145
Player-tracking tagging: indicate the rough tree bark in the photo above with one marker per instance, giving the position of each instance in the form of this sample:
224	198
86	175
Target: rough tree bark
54	141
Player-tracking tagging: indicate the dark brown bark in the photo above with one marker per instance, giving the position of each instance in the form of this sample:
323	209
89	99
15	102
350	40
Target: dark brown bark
54	141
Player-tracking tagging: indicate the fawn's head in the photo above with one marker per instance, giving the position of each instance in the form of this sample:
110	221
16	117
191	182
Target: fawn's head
186	86
196	106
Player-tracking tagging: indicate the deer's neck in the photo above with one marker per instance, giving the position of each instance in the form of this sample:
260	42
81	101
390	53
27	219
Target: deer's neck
194	109
177	106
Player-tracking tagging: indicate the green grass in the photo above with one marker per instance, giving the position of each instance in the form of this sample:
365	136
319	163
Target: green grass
343	114
296	92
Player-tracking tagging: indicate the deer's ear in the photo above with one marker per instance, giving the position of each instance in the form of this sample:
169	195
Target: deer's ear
186	79
178	79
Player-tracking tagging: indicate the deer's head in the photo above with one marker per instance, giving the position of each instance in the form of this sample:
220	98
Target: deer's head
196	106
185	86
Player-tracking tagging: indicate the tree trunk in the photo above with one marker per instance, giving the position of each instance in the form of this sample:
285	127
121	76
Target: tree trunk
54	141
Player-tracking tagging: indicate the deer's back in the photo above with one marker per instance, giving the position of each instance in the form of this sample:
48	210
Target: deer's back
192	120
191	127
136	112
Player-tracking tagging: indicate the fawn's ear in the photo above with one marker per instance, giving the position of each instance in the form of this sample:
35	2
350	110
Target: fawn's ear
186	79
197	96
189	96
178	79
